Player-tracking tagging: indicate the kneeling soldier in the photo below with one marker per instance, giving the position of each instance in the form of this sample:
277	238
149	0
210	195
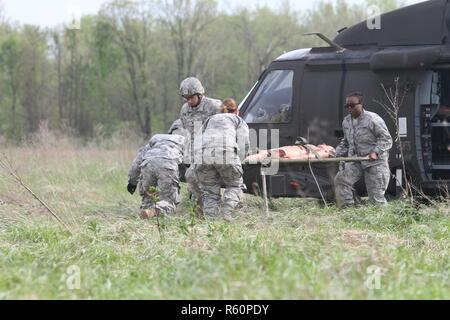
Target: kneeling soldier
156	165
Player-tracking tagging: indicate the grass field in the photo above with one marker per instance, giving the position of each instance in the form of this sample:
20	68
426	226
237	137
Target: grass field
304	251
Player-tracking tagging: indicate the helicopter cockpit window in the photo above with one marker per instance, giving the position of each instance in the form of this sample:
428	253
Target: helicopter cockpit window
272	102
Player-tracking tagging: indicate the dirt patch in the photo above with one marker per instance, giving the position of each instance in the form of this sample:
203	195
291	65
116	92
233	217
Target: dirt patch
198	245
356	239
366	239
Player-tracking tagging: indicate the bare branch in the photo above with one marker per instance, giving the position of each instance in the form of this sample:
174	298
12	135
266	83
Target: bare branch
6	165
393	112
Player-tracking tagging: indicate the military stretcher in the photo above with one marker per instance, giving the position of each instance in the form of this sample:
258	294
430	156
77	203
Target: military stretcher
304	174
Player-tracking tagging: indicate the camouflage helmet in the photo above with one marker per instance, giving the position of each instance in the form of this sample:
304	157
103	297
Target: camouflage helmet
190	87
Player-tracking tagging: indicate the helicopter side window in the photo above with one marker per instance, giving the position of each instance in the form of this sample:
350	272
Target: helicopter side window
272	102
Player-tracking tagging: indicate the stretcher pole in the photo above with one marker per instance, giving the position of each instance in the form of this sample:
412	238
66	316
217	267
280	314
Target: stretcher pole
264	191
265	163
306	161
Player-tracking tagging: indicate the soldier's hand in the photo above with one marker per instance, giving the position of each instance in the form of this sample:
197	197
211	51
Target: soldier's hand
131	188
373	156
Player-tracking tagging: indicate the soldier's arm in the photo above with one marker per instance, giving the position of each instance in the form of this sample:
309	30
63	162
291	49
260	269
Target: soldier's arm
182	117
243	137
135	170
342	148
384	139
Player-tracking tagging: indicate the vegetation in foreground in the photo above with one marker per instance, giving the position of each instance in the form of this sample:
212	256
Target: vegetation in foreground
303	251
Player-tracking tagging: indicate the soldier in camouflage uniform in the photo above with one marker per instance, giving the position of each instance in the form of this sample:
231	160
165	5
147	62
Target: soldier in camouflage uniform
230	106
193	115
156	165
365	134
225	144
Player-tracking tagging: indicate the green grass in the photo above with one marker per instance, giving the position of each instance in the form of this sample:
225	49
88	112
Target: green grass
303	251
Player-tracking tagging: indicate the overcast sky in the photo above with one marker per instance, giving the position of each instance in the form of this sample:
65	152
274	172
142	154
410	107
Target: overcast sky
54	12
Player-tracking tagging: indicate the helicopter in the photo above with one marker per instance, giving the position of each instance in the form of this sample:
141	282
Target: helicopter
302	94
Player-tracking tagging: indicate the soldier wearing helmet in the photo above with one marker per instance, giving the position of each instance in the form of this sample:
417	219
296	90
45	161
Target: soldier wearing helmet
196	110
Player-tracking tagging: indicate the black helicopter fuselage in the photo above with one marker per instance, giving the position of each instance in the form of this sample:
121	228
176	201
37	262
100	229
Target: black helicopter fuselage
302	93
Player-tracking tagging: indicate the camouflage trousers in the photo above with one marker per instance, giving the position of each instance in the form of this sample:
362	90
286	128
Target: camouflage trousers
376	178
164	175
193	184
211	177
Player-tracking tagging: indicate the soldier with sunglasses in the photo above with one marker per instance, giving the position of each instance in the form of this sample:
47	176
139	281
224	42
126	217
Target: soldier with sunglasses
365	134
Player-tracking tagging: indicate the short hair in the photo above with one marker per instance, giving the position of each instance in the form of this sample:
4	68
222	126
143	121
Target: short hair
358	95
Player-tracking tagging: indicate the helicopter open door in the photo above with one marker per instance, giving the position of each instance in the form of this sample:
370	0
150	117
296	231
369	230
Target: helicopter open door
434	138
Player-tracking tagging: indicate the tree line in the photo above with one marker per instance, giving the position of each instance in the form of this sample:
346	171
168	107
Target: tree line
121	68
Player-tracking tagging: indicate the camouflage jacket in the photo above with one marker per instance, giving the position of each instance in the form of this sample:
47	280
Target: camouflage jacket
225	132
369	134
194	118
162	147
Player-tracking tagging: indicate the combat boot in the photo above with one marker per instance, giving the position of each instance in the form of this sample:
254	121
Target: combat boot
149	213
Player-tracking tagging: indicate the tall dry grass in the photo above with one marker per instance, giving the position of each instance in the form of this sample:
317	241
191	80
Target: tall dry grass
65	171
